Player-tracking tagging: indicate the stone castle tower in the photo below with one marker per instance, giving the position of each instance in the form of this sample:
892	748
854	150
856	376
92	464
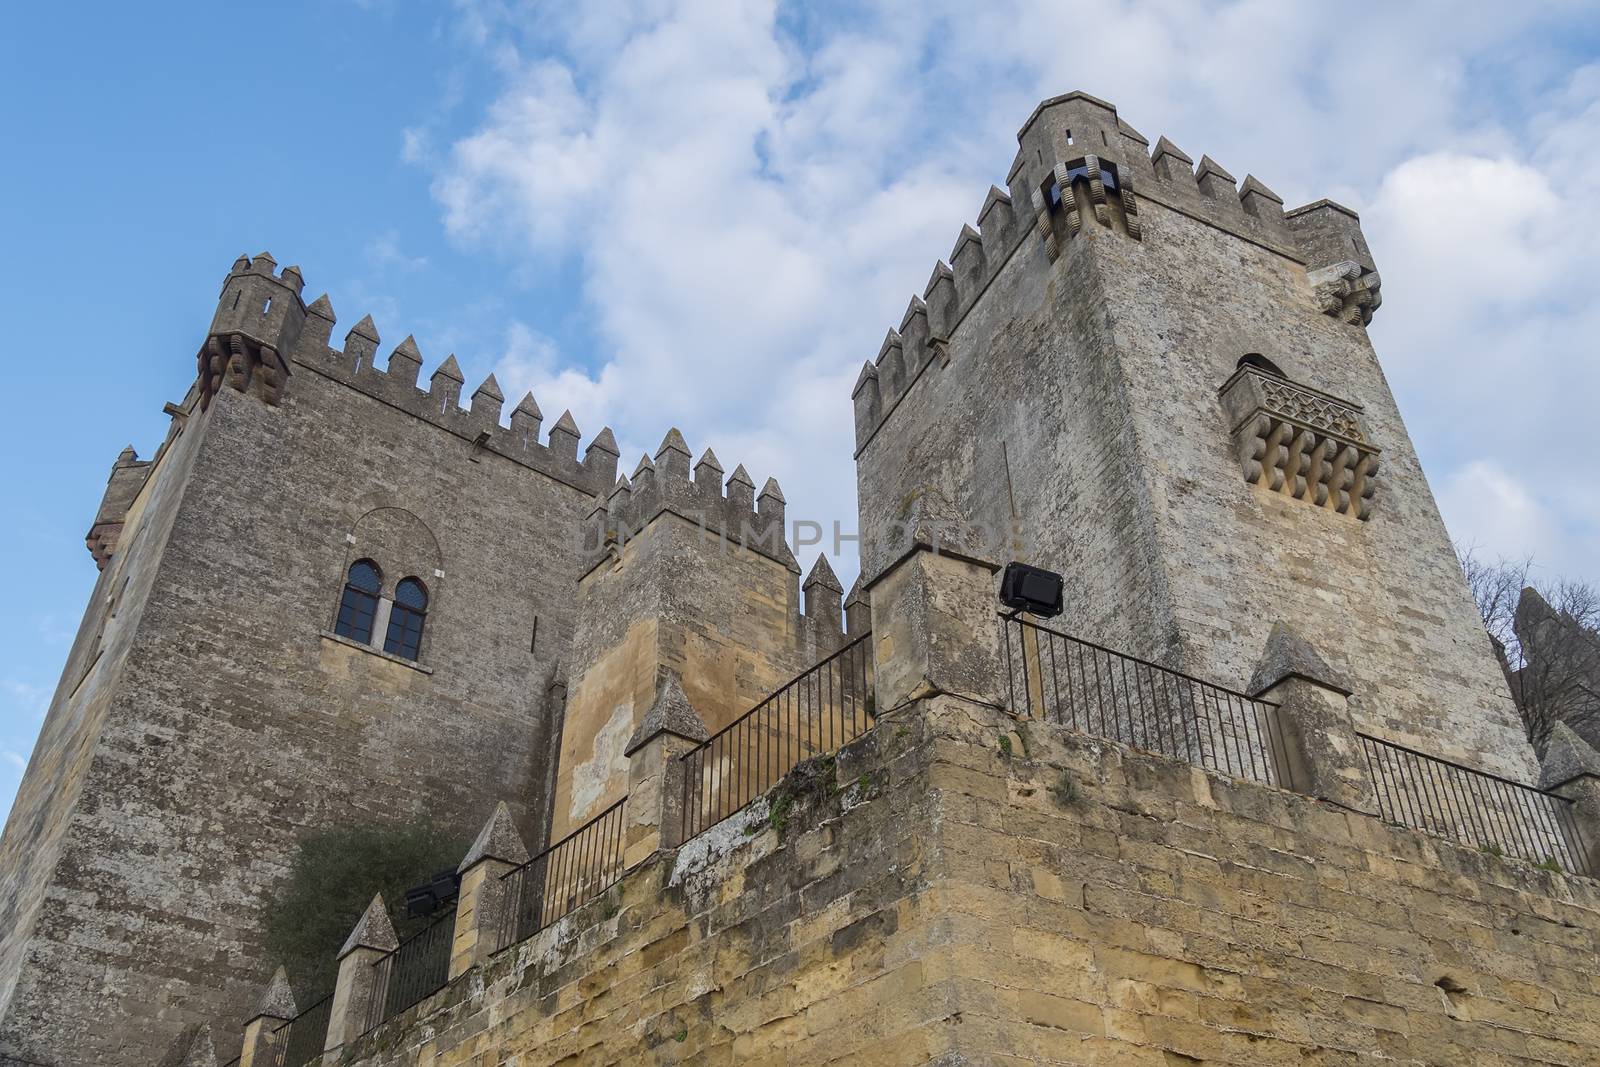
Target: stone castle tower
334	597
1159	383
216	706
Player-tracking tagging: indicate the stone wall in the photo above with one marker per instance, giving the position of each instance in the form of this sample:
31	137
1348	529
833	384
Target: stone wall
725	619
688	579
1058	385
928	898
37	830
223	719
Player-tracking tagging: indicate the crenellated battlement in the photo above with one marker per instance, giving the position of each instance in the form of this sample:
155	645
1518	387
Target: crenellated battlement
667	484
257	323
1078	164
262	328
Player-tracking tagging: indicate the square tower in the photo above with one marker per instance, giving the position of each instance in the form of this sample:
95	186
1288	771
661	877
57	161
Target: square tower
1158	382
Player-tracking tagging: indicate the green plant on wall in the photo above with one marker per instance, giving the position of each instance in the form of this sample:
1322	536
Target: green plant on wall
332	877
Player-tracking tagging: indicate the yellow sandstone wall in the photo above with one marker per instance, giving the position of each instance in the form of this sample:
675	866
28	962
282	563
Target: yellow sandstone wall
929	898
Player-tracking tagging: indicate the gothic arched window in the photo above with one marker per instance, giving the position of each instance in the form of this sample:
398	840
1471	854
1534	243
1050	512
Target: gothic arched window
359	604
404	638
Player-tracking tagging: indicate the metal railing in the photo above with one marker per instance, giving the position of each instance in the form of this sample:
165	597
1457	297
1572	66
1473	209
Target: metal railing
418	968
1473	807
300	1040
571	872
1098	691
827	706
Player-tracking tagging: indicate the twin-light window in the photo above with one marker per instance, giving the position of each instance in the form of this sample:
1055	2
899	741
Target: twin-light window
364	611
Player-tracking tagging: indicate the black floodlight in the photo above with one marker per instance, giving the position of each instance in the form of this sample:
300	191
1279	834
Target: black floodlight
419	901
1031	589
446	884
428	897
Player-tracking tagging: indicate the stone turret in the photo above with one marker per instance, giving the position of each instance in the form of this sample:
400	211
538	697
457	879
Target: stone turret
257	324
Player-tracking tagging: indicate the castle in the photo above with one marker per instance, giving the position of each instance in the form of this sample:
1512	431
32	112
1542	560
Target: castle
1260	795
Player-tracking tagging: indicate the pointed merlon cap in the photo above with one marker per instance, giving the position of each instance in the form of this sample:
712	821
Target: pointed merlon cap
708	460
673	442
605	442
1532	607
1165	147
528	406
771	491
996	195
822	574
293	278
498	840
869	373
365	328
1288	655
740	476
968	236
407	360
127	456
1129	131
855	596
407	348
263	264
670	714
241	264
890	340
490	388
448	369
914	307
1566	756
1212	167
565	425
1252	185
622	487
322	307
278	1001
374	930
645	464
941	273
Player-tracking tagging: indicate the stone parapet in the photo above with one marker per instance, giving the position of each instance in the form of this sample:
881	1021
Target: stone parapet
928	896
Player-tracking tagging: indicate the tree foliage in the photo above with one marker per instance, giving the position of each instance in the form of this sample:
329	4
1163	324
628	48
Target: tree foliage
331	881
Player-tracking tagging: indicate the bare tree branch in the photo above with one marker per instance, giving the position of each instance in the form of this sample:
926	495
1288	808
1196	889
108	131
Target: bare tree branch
1548	637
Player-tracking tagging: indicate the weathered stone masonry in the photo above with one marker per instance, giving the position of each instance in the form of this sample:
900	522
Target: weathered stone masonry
933	900
1132	371
209	715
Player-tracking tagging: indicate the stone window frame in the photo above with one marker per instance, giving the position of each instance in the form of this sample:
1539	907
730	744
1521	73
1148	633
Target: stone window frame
403	548
354	598
402	614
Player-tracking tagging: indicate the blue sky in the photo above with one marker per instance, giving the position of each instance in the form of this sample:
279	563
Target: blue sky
706	214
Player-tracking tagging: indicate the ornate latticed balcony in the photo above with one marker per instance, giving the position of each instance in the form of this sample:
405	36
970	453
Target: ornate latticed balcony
1299	441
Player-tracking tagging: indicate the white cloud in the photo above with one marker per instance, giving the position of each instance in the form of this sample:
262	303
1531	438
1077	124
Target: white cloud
1498	514
384	251
751	192
1488	328
16	760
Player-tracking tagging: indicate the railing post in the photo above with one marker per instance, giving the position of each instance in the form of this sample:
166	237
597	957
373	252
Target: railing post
653	815
1571	769
356	987
1313	718
933	619
480	904
261	1032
